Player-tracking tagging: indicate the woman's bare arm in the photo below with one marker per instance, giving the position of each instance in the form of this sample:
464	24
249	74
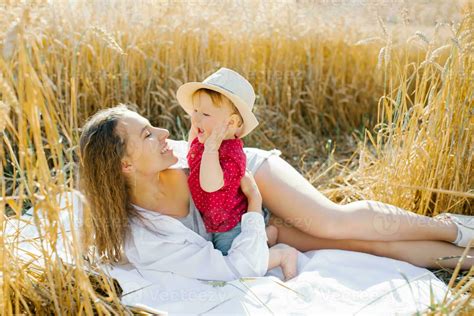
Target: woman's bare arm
250	189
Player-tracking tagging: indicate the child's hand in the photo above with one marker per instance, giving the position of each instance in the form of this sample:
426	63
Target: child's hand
213	142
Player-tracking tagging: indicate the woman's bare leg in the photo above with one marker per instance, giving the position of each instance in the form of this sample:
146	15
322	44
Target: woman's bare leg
419	253
291	197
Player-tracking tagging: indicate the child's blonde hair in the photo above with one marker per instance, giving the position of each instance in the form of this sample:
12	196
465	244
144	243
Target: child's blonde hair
218	99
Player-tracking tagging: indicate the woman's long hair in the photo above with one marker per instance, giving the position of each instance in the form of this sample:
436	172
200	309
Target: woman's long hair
106	222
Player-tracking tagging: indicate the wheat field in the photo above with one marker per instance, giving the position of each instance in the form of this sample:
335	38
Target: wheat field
368	99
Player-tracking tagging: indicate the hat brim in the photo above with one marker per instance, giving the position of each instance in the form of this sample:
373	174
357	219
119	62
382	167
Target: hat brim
185	99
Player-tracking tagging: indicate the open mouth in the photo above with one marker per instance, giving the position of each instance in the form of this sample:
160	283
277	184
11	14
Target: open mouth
165	149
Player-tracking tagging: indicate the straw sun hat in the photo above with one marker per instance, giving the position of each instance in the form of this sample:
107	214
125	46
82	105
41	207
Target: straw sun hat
233	86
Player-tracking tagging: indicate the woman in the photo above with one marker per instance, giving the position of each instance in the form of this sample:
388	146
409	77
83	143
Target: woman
142	206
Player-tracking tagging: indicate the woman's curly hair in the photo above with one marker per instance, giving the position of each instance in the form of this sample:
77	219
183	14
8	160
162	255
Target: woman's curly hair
106	222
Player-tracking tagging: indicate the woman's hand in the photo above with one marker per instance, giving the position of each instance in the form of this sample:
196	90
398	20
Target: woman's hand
250	189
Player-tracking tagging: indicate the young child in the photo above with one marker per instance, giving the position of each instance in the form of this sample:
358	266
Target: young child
221	114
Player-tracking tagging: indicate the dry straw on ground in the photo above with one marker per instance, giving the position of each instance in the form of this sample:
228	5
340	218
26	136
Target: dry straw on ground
369	101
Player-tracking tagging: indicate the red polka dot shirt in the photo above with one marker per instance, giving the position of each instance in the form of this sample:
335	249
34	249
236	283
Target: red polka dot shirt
221	210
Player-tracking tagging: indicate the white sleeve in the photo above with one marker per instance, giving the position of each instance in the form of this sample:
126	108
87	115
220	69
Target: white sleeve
180	149
197	258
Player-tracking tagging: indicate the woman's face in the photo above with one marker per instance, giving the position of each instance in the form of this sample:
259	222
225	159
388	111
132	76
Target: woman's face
147	150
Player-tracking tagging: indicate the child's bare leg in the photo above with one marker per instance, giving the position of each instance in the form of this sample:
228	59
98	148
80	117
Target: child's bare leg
286	257
272	235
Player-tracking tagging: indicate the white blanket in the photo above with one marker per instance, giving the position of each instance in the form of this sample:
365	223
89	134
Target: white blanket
329	282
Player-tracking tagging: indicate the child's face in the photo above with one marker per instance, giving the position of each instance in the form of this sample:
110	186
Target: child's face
206	116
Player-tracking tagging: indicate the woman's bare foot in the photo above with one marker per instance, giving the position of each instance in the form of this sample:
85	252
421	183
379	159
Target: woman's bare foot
272	235
289	262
